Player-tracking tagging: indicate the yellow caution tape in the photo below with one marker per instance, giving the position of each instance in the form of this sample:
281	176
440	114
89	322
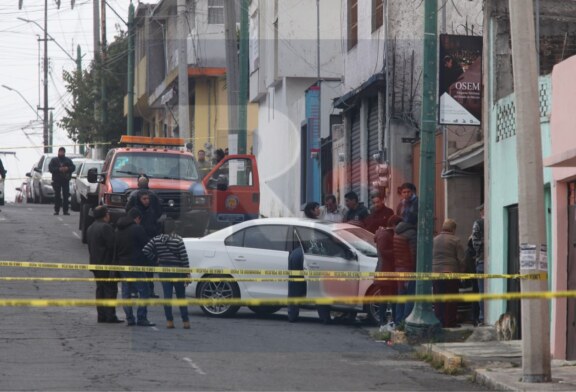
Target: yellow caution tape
222	271
55	302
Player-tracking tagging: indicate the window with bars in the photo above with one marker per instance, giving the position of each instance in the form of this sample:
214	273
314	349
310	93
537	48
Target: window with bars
377	14
352	23
215	11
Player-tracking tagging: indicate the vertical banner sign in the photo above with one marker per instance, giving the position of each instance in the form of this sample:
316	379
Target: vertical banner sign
460	80
313	144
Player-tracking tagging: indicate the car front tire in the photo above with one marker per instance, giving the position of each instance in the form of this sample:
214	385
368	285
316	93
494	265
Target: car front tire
218	290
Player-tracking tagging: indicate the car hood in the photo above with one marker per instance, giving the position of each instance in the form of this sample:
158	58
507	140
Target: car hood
122	184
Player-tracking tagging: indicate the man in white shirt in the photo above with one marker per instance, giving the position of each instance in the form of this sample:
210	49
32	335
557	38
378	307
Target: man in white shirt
331	211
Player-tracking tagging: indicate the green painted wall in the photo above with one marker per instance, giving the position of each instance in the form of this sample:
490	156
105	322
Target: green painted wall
503	189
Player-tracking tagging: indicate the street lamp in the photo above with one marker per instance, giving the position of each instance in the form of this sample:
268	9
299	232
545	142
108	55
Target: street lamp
25	100
49	36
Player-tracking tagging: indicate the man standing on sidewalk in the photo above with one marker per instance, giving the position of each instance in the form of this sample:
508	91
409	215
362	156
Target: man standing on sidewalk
2	174
61	168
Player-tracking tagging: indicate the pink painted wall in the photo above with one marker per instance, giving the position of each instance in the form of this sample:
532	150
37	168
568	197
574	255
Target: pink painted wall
563	138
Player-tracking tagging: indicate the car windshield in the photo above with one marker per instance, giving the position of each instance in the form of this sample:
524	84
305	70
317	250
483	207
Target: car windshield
91	165
360	239
166	166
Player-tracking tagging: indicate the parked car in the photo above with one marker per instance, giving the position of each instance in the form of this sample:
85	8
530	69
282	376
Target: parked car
41	178
264	244
80	182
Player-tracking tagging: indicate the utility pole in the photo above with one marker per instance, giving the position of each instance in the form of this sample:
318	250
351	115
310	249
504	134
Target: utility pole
130	116
103	58
183	109
422	321
244	76
232	68
47	145
532	223
79	77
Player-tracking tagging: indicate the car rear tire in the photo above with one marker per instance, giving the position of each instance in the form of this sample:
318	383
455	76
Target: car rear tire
86	222
218	290
264	309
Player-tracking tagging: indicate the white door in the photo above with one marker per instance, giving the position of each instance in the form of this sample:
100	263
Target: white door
262	247
324	252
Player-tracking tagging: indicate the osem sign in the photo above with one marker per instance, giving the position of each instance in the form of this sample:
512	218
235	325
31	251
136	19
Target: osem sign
460	80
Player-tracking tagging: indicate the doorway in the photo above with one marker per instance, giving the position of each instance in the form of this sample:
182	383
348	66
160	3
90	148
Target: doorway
513	285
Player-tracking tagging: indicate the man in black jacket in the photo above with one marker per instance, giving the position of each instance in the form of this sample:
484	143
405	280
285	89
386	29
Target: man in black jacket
101	248
61	168
130	240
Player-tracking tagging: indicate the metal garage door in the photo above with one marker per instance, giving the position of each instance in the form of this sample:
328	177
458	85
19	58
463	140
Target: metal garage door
355	172
373	146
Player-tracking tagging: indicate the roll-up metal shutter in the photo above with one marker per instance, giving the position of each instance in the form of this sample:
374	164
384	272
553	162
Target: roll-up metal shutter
373	147
355	156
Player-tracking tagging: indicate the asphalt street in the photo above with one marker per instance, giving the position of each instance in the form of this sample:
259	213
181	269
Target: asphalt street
64	349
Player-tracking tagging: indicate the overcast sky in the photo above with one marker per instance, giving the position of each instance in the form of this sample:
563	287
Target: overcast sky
19	70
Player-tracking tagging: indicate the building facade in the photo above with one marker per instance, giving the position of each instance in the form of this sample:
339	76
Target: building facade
156	74
284	75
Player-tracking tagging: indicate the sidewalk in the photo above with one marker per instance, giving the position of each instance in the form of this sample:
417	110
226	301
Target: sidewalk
498	364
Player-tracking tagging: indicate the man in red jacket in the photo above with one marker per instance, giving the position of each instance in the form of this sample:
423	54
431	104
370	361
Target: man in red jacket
384	239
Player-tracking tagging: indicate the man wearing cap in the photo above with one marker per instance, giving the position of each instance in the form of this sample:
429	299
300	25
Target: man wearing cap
478	245
101	249
151	212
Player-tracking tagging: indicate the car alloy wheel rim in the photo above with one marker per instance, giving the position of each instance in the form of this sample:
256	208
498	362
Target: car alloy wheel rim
217	290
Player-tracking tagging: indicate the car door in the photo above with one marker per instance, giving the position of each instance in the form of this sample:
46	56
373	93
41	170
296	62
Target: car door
233	185
324	252
258	248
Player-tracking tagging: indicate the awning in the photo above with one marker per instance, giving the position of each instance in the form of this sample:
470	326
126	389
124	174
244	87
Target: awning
468	156
368	88
563	159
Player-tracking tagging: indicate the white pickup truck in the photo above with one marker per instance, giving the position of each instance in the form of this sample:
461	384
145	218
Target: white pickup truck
85	194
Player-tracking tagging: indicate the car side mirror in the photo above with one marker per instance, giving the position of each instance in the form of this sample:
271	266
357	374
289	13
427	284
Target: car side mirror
37	170
19	189
222	183
74	175
28	174
92	175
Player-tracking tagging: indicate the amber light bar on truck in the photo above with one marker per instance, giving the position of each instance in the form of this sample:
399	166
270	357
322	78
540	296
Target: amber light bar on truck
152	141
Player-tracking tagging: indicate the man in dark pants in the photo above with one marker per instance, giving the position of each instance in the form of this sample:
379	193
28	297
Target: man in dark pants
61	168
130	240
297	288
150	206
101	249
2	171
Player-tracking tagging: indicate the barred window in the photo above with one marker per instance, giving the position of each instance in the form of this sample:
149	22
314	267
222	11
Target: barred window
352	23
215	11
377	14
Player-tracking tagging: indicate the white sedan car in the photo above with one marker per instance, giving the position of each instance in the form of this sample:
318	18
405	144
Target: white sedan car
265	243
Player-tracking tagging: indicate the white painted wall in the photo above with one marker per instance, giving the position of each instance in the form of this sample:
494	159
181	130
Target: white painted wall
285	69
290	49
